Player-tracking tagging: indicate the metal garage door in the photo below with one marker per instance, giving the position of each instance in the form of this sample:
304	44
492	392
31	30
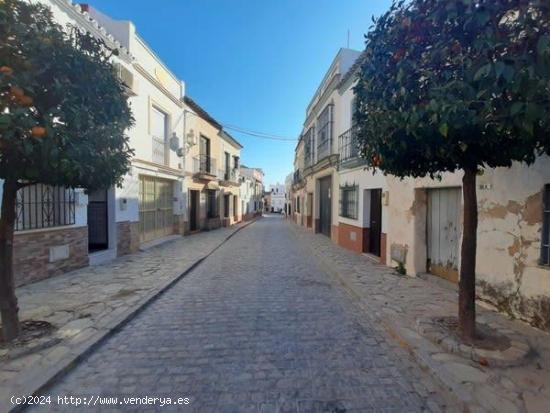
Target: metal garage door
443	232
156	216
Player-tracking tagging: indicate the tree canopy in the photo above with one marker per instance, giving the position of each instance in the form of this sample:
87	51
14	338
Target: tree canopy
457	84
63	111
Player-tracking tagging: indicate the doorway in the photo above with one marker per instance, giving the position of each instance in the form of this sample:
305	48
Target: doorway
325	218
98	228
375	221
194	199
156	216
443	232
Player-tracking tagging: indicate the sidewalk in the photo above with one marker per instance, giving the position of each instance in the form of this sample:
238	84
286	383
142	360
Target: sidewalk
397	302
87	305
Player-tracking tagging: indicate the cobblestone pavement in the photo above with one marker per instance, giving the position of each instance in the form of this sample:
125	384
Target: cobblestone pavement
257	327
88	303
397	302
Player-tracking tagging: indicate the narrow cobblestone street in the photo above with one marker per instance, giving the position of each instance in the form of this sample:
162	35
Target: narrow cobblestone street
259	327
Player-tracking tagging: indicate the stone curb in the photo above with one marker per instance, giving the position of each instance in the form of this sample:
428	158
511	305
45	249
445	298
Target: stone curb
514	355
39	380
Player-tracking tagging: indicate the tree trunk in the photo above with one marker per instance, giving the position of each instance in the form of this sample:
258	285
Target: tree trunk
467	284
8	301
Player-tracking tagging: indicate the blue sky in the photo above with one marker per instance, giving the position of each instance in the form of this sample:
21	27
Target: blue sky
251	63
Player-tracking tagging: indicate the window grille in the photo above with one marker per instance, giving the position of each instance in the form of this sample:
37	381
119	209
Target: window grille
348	201
44	206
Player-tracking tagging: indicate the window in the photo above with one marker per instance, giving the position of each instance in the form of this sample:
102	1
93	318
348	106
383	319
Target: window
159	134
545	248
227	166
324	132
44	206
211	203
348	201
308	146
235	162
298	204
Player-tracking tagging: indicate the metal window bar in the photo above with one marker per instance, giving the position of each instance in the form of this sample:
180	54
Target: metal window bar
308	147
204	164
348	145
44	206
348	202
159	150
324	133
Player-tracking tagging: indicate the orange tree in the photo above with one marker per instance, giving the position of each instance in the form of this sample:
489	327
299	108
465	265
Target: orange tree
456	85
63	116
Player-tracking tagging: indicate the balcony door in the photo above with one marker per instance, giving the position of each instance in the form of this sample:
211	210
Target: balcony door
204	150
159	131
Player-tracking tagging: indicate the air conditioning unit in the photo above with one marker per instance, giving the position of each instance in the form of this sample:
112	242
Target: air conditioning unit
127	78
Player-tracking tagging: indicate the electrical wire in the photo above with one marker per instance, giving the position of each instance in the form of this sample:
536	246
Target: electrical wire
257	134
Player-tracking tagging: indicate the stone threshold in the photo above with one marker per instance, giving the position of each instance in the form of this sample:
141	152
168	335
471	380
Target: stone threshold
38	377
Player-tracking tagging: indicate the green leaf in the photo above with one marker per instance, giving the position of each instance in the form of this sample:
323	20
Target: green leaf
516	108
543	45
444	129
5	121
483	71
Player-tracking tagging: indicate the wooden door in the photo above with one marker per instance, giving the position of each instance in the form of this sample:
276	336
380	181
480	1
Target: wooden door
325	209
375	221
443	232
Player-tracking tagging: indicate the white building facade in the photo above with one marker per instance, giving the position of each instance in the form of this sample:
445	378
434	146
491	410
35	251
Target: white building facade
278	197
417	223
154	201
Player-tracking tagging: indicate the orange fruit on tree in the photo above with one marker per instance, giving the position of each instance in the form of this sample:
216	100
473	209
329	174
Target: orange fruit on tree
17	91
25	101
38	131
6	70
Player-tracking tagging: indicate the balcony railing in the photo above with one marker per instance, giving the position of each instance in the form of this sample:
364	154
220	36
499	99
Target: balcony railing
297	178
348	146
159	151
228	175
204	164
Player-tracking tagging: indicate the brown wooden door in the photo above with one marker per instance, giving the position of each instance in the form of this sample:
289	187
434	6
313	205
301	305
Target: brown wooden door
375	230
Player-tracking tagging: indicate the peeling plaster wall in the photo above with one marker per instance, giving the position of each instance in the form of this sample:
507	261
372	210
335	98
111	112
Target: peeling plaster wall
509	234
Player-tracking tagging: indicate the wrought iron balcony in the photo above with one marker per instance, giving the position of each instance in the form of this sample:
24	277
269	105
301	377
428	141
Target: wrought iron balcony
204	165
228	175
348	147
159	151
297	177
